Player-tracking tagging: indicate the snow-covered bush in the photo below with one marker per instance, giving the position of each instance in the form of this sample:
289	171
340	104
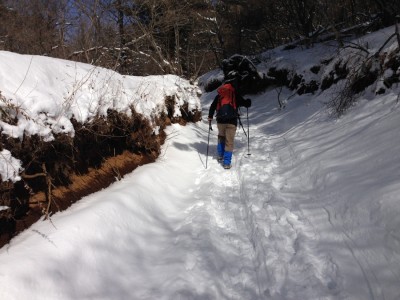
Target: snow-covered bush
361	68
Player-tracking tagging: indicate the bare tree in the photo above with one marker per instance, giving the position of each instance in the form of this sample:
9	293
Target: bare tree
183	37
30	26
389	9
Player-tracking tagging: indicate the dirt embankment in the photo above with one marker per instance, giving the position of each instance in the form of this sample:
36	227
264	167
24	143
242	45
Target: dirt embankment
59	173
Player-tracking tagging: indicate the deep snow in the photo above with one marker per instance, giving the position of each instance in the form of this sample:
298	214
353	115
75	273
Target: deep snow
312	213
43	94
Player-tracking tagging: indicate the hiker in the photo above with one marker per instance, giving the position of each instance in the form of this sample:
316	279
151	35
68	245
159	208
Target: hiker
226	104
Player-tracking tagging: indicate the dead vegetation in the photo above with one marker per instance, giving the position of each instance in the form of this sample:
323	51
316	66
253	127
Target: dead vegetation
364	68
60	172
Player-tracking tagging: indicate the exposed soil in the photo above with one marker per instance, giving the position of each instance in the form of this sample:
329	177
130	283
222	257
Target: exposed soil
61	172
62	197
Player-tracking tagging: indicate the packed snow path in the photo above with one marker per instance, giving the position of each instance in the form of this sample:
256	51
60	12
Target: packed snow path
280	257
312	213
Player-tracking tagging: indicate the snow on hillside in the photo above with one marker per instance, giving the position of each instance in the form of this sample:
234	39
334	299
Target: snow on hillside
44	93
312	213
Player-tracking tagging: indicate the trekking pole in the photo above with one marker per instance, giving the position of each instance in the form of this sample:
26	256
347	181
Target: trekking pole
241	125
248	133
208	142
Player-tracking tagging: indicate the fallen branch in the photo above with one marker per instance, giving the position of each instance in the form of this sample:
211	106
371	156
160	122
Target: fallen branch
385	43
48	187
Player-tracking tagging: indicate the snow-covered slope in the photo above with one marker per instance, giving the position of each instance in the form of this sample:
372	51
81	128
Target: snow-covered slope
312	213
40	95
52	91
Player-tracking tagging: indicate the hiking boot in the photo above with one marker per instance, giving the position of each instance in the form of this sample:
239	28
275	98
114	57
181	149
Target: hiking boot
220	158
227	166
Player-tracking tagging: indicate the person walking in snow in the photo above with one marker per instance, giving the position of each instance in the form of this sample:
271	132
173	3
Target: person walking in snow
226	105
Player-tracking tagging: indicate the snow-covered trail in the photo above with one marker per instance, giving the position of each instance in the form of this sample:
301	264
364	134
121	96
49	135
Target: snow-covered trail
175	230
254	225
300	218
284	241
316	199
337	180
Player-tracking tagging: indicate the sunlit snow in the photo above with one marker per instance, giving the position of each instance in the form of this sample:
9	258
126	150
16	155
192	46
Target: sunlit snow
312	213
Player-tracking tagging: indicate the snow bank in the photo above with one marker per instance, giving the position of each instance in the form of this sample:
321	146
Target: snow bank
45	93
40	96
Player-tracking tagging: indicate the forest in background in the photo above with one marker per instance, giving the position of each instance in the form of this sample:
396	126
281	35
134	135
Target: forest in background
186	38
